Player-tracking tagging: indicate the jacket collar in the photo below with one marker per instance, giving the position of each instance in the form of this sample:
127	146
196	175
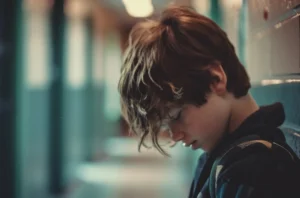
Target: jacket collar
263	123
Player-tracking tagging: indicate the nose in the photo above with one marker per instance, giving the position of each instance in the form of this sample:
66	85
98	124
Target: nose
177	135
176	132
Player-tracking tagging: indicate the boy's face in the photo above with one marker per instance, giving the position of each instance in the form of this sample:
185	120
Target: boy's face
201	127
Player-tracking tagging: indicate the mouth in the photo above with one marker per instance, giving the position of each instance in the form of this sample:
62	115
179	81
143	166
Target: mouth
195	145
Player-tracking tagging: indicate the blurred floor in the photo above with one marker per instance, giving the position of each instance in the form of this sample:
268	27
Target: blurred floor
129	174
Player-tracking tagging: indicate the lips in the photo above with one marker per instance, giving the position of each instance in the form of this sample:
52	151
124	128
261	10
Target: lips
195	145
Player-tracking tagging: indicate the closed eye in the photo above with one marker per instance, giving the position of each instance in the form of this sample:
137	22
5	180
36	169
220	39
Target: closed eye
176	117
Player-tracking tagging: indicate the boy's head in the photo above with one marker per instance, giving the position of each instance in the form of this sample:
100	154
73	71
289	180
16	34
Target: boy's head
182	72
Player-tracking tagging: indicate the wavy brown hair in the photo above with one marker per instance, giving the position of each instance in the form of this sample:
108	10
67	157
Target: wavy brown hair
166	64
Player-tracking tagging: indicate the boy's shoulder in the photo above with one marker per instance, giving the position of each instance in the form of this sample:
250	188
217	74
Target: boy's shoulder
257	164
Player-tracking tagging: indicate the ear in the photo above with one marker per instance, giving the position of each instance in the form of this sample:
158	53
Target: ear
219	83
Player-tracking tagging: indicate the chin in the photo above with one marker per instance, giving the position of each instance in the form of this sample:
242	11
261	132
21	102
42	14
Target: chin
207	148
198	146
204	148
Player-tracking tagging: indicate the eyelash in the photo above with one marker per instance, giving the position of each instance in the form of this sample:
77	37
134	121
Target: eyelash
177	116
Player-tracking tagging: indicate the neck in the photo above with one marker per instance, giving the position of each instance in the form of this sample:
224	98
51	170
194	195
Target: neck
242	108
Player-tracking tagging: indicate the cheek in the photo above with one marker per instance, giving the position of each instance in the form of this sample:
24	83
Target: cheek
208	121
196	124
202	127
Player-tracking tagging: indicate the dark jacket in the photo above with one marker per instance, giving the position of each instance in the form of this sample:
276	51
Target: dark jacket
255	172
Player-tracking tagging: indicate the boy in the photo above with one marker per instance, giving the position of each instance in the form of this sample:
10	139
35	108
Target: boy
181	73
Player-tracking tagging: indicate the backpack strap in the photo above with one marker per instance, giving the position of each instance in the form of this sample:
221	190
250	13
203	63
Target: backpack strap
217	165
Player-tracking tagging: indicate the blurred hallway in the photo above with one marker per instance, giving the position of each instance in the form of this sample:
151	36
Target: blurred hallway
127	174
